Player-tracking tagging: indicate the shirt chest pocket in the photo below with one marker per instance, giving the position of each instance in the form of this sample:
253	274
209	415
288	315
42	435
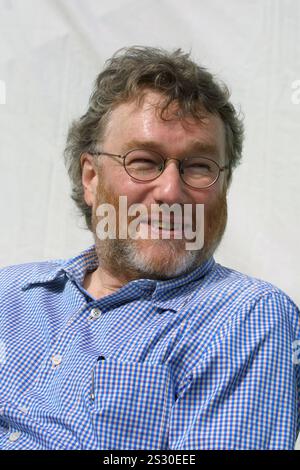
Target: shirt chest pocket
132	404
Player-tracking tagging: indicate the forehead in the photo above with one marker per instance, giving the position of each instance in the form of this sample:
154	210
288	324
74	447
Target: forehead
141	121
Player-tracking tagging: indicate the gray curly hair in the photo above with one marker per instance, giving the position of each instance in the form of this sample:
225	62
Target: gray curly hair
126	75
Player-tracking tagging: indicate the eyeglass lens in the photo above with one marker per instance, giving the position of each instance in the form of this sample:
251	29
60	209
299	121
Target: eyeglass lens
146	165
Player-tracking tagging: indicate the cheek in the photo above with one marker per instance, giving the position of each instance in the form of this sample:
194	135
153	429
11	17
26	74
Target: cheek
207	197
136	193
120	184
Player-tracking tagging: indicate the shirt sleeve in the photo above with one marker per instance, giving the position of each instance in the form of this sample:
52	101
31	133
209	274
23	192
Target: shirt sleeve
244	392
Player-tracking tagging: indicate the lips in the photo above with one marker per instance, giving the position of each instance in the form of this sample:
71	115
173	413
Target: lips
166	229
166	225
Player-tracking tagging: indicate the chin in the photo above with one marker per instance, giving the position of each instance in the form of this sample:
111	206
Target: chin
161	259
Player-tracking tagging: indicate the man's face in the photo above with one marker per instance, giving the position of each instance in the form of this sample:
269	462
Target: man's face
132	125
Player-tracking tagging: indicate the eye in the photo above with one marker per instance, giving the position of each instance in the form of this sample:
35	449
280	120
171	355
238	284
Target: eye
142	160
198	165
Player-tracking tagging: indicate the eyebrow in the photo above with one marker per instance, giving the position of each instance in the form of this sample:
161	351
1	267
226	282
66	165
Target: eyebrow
196	147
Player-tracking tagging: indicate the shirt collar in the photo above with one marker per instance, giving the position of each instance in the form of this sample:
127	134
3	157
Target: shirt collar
75	268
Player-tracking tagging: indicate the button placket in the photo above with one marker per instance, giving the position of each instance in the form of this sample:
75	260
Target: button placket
95	313
56	360
64	338
23	409
14	436
75	315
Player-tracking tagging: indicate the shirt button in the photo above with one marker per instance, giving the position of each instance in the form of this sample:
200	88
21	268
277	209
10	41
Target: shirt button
23	409
95	313
56	360
14	436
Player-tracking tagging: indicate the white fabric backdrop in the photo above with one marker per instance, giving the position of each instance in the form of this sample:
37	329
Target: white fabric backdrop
50	53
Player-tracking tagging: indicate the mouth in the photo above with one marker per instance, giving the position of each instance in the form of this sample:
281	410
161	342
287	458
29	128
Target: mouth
170	226
164	228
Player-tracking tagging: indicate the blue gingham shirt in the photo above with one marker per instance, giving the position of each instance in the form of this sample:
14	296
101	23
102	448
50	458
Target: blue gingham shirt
202	361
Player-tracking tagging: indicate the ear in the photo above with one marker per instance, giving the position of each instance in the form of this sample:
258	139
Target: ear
89	178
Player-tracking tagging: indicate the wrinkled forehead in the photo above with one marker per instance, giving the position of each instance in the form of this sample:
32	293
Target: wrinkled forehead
150	115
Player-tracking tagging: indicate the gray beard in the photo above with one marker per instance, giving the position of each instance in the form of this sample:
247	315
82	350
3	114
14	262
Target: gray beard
121	256
125	256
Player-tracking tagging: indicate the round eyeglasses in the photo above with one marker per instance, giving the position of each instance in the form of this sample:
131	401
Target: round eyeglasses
147	165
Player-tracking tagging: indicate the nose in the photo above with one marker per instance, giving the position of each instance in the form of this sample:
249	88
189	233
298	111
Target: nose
169	187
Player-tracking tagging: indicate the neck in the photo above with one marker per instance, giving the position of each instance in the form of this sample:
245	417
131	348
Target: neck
102	282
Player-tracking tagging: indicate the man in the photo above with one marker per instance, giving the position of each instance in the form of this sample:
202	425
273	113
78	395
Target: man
143	341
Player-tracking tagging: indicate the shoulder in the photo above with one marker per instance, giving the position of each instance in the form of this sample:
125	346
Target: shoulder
226	298
249	300
238	314
238	286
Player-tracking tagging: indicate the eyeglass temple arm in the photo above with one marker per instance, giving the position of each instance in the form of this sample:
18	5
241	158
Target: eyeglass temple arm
226	167
105	153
